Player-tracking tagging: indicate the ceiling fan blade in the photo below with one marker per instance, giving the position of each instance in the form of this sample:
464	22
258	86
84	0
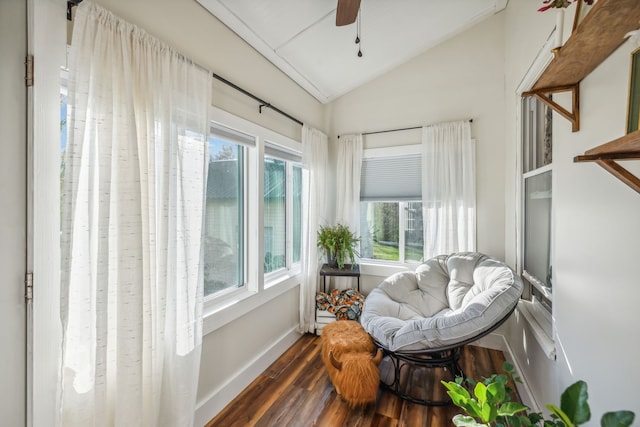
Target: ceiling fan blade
347	12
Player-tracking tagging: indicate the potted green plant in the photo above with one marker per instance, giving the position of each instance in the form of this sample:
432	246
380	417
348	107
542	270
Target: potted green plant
488	403
338	242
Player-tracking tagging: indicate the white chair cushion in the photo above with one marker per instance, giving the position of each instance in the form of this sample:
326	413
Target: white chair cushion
447	300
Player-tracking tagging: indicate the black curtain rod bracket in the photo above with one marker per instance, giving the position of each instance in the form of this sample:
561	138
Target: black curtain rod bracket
396	130
261	106
263	103
70	6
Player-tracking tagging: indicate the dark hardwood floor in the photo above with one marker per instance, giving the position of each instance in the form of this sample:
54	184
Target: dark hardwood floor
295	391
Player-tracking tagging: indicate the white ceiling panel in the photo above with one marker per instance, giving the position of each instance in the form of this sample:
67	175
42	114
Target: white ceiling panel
276	21
301	38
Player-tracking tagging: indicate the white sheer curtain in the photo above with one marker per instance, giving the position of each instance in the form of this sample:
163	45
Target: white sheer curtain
349	165
314	213
348	181
134	188
448	189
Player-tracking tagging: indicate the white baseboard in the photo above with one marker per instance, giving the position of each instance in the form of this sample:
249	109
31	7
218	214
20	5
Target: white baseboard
209	407
497	341
493	341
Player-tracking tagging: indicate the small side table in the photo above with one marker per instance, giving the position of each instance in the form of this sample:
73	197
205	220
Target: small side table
347	271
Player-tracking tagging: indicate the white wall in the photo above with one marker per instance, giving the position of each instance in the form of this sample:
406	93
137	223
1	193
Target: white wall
597	230
462	78
597	234
13	160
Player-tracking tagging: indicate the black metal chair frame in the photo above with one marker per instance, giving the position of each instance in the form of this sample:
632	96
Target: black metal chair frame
446	357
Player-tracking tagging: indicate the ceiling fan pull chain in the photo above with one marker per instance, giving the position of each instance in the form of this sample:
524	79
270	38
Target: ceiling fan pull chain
358	33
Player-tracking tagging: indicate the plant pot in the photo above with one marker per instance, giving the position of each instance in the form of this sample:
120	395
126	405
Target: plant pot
332	261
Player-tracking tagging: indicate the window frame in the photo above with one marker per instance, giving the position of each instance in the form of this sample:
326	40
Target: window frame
539	317
402	220
290	267
394	151
224	307
242	287
532	283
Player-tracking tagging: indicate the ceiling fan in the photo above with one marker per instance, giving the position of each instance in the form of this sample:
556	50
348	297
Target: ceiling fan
347	12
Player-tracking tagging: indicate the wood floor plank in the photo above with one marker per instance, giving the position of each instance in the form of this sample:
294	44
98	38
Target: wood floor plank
313	408
295	391
239	412
388	405
442	416
382	421
361	417
285	411
300	347
335	412
252	406
413	415
312	373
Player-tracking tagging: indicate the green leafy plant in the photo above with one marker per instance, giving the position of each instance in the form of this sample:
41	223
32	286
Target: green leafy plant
488	403
339	243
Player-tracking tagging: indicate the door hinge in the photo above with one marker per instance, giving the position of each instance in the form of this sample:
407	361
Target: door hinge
28	76
28	288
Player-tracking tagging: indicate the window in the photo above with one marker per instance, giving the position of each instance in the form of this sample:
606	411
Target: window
297	213
282	208
393	231
224	221
275	221
391	205
537	186
242	211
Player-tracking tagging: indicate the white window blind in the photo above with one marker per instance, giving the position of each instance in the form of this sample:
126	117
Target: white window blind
228	134
396	178
279	152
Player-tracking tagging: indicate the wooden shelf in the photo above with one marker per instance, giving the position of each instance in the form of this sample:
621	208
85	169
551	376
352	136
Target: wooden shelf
600	33
607	155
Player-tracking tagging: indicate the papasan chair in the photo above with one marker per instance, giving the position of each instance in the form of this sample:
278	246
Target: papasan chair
421	319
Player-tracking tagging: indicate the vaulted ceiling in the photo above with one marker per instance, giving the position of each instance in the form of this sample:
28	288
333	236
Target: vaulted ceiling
301	37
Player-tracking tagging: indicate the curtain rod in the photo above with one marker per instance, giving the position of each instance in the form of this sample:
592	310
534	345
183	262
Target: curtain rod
263	104
397	130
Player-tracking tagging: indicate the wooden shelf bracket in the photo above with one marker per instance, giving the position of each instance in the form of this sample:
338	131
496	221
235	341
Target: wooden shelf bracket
608	155
600	33
544	95
614	168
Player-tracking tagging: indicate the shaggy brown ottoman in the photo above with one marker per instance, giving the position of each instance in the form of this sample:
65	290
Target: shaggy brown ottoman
350	356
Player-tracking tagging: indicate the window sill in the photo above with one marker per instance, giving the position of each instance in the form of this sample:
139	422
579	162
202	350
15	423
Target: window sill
371	267
225	311
541	325
275	278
